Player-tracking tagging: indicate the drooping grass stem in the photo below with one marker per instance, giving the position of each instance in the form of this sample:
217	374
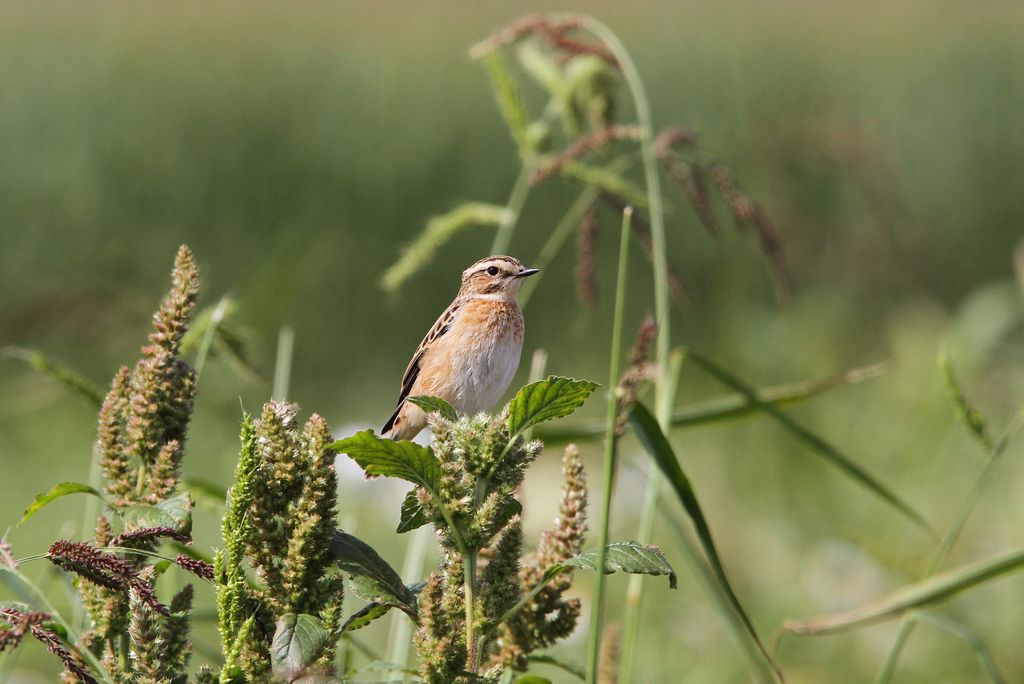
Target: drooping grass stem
610	443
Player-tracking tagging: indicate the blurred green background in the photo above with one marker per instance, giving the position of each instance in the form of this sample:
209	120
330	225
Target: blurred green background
296	147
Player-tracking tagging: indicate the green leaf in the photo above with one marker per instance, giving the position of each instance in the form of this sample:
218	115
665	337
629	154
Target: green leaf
434	405
361	618
531	679
379	456
61	490
413	515
916	595
631	557
817	444
298	642
654	441
175	512
371	576
547	399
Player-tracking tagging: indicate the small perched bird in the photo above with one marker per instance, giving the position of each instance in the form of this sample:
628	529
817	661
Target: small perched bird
471	353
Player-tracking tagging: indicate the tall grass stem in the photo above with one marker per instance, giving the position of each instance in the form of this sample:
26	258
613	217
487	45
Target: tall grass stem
400	633
283	363
209	335
610	442
663	400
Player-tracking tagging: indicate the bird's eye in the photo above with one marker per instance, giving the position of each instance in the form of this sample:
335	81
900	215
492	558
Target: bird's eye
493	270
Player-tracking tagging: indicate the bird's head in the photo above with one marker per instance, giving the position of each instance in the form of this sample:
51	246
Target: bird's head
497	277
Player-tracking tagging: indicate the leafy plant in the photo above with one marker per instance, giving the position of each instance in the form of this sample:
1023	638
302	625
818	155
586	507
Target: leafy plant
488	606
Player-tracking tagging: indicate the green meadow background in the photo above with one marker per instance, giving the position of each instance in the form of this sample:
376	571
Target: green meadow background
297	147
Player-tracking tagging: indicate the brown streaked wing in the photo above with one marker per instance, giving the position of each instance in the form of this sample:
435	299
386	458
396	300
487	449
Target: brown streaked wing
412	371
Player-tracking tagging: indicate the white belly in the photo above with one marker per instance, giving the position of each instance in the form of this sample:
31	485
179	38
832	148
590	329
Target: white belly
485	372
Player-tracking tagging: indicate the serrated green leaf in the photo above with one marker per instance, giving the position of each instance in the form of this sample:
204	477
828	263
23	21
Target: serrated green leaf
404	460
61	490
629	556
657	445
371	577
434	405
413	515
375	610
175	512
361	618
547	399
298	641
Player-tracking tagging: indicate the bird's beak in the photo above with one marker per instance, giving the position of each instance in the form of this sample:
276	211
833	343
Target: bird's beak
526	272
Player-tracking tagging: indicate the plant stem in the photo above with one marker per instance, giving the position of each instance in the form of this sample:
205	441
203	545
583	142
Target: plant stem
283	363
610	443
209	334
663	398
469	580
516	200
634	588
398	638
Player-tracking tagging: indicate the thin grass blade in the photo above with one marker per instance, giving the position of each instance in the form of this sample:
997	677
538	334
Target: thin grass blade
661	451
817	444
727	407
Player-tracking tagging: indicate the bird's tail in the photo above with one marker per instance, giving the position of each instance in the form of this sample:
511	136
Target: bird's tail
392	421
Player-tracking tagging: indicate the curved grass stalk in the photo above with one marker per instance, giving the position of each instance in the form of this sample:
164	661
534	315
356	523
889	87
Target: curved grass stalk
663	397
610	444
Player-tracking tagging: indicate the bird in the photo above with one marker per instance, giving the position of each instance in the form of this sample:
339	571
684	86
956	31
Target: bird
471	353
